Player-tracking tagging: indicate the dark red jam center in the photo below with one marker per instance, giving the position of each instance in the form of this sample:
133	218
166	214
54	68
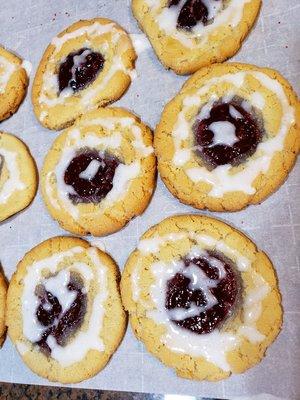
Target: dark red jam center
58	324
192	12
95	189
226	291
79	69
248	131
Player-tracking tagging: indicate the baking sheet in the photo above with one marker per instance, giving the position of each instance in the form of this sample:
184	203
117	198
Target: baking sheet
27	26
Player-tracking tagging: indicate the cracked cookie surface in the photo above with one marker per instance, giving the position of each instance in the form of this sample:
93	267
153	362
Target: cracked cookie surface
201	297
100	173
229	138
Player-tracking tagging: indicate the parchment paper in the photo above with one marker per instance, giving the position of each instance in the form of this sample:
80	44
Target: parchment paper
26	27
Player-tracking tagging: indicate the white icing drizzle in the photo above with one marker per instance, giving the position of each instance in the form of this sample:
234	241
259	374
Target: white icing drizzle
234	112
224	178
116	65
49	90
124	173
253	309
152	245
181	157
77	61
32	329
215	345
84	271
91	170
213	8
95	29
198	281
166	18
7	68
135	282
224	133
258	100
138	142
27	66
58	286
14	182
140	42
83	341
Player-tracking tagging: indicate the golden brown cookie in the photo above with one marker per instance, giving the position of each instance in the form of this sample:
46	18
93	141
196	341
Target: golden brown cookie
190	34
3	289
202	297
18	176
88	65
229	138
64	311
13	83
100	173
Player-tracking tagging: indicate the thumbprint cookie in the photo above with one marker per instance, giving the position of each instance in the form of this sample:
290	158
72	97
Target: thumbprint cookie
64	312
190	34
100	173
202	297
229	138
88	65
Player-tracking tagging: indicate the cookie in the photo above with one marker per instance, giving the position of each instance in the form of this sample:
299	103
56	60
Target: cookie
202	297
100	173
13	83
229	138
190	34
64	311
88	65
3	289
18	176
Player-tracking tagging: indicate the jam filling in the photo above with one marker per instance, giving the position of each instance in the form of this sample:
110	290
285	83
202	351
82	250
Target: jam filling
192	12
90	189
225	291
79	69
248	132
58	324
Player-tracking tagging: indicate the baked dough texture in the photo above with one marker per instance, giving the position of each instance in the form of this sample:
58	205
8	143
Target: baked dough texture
91	344
58	110
236	345
18	176
13	83
3	290
264	93
186	51
121	134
